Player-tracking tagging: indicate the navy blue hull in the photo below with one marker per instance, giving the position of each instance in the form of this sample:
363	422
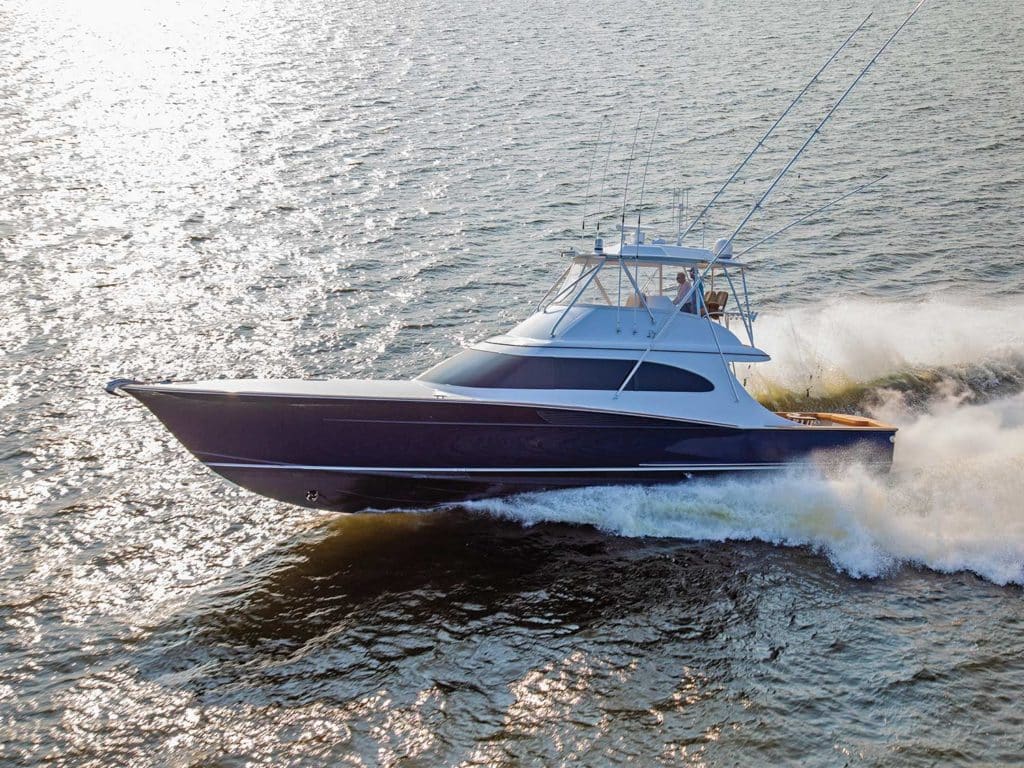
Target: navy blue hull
352	454
350	491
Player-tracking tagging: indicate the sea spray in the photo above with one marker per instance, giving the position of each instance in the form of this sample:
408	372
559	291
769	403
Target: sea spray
839	353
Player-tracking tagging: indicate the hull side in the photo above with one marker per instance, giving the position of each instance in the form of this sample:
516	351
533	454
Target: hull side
356	453
355	490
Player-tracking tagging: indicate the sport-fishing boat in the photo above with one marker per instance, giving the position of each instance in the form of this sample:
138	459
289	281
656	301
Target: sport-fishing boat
626	373
588	390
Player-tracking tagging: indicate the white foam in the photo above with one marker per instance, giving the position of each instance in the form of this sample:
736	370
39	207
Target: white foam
953	502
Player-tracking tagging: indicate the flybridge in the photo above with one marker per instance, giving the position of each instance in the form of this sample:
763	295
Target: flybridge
658	279
622	298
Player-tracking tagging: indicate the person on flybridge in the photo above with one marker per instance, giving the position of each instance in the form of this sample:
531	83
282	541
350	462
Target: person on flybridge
689	302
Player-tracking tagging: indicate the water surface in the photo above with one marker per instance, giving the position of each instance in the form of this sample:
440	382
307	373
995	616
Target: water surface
345	190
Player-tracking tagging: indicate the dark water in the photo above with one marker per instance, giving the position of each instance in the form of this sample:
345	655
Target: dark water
310	189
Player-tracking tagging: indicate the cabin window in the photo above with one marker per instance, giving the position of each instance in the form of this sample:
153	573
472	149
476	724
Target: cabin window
476	368
655	377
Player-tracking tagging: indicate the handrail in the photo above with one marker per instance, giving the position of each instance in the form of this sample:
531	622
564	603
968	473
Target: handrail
561	277
593	274
636	289
747	326
570	286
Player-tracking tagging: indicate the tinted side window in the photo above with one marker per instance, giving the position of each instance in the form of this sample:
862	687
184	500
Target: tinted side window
474	368
655	377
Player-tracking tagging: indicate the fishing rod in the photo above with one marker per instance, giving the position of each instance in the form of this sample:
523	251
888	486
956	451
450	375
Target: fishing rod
806	216
771	130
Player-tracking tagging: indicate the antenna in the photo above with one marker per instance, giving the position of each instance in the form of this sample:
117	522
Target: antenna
676	205
806	216
681	198
643	183
593	157
622	224
600	197
625	189
771	130
639	213
724	247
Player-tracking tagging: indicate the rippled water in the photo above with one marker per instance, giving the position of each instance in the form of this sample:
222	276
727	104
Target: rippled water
307	189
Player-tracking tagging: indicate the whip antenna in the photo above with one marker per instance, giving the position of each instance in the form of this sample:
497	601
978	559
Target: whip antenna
625	189
600	195
639	213
771	130
643	183
593	157
622	223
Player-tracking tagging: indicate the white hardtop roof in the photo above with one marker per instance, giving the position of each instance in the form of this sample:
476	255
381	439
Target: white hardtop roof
666	253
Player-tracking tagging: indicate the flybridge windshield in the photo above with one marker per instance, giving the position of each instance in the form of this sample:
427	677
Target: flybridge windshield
606	282
476	368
